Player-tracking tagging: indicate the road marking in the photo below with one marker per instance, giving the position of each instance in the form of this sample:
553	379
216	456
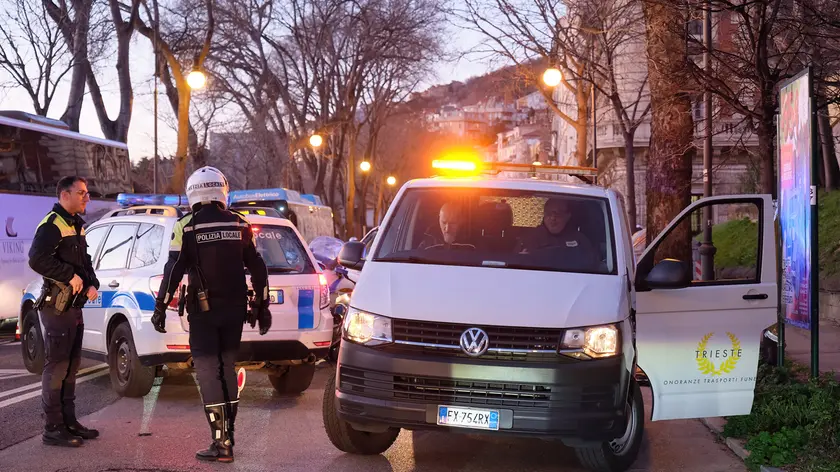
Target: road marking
37	393
38	384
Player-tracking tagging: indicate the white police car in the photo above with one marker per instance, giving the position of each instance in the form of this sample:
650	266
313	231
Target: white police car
129	248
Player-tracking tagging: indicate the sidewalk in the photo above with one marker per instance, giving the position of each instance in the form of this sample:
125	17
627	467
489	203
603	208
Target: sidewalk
798	346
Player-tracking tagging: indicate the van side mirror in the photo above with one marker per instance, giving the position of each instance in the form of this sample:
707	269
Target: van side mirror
352	255
668	273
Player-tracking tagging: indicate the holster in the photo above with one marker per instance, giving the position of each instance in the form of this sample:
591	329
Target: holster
55	294
182	300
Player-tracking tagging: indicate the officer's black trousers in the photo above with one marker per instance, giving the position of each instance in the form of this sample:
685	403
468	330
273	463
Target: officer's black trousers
63	351
214	343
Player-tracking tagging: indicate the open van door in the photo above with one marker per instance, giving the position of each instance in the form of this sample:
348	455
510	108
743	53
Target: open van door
698	337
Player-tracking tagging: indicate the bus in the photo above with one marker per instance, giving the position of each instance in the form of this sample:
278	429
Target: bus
307	212
36	152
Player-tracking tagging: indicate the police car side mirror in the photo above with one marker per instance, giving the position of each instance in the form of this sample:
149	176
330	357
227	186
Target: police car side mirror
352	255
668	274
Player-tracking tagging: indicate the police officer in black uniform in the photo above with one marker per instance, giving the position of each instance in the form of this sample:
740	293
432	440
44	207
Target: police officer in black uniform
214	246
59	254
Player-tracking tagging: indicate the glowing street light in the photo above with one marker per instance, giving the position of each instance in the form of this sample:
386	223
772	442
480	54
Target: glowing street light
316	140
365	166
391	180
552	77
196	79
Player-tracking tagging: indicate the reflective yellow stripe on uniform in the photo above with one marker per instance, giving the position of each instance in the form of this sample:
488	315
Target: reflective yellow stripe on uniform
178	233
65	229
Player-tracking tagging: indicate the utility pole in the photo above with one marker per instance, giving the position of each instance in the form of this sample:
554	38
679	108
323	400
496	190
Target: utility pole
157	75
707	248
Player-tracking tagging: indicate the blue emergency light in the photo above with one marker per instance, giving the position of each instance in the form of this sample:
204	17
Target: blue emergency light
132	199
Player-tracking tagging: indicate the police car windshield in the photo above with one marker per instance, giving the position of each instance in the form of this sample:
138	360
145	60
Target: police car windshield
499	228
281	250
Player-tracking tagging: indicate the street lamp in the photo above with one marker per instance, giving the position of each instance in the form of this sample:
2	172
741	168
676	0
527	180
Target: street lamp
552	77
316	140
364	166
196	79
391	180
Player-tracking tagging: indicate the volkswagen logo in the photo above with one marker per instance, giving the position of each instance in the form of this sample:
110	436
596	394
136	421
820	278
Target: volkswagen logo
474	342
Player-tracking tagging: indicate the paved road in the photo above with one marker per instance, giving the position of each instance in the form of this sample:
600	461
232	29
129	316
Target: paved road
20	393
161	432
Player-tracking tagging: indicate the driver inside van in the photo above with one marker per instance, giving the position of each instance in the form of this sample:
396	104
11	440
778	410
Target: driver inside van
560	230
451	220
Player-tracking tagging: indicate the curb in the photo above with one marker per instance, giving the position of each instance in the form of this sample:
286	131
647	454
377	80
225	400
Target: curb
715	425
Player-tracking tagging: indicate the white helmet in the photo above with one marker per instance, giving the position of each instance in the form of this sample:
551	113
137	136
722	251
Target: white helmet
206	185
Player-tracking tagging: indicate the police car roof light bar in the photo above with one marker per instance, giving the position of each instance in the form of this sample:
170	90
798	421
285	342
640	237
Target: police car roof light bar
126	200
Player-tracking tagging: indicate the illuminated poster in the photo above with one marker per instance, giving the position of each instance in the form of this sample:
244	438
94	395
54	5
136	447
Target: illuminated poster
795	199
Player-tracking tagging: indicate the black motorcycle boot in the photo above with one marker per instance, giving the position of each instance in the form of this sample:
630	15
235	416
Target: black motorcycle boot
58	435
76	429
232	408
221	449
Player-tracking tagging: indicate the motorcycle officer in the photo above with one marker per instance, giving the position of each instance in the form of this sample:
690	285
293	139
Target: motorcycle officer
59	254
214	246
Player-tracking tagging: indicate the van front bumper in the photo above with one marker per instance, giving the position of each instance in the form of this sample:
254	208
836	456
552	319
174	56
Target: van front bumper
568	399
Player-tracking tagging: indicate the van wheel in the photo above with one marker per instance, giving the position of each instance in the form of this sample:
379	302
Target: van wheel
296	379
619	454
347	439
31	343
129	377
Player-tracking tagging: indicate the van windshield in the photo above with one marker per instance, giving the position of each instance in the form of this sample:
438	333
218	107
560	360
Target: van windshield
499	228
282	250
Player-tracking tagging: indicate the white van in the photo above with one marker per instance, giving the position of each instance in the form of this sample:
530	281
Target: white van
537	322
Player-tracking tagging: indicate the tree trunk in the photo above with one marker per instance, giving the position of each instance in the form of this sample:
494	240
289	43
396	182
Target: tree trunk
672	128
178	181
630	161
351	187
766	134
829	156
78	44
377	209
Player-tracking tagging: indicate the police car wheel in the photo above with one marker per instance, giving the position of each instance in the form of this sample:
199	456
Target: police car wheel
619	454
129	377
347	439
31	343
296	380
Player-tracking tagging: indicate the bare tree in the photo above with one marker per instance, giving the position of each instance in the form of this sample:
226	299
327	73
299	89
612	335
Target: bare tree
303	67
33	52
558	33
620	76
82	32
180	39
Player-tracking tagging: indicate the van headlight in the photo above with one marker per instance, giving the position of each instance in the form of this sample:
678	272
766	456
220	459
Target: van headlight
368	329
591	342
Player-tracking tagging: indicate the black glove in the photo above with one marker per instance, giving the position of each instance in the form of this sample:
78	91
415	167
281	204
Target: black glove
264	319
254	306
159	317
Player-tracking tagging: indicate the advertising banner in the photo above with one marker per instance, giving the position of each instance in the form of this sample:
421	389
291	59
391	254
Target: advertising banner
796	194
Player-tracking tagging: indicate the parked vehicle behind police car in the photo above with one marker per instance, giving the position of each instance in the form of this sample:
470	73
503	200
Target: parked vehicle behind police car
515	307
129	248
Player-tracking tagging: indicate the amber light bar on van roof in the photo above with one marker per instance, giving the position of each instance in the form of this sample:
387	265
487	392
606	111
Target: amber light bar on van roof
537	167
472	167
